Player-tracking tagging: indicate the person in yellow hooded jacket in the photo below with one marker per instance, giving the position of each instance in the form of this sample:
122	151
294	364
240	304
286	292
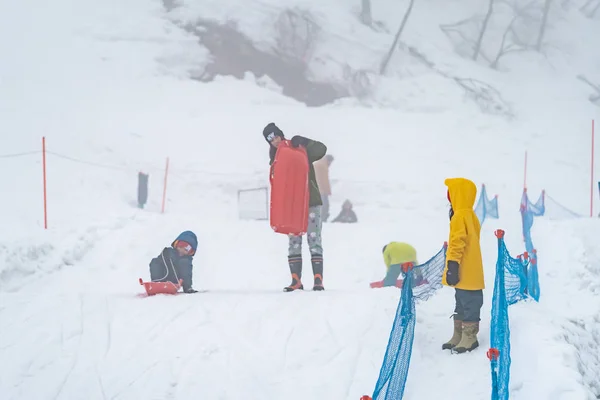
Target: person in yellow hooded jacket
464	266
394	255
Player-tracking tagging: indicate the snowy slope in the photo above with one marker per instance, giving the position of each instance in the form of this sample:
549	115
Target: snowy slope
562	344
107	84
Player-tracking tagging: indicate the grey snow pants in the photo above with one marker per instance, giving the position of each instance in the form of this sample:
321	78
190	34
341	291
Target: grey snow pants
468	305
313	235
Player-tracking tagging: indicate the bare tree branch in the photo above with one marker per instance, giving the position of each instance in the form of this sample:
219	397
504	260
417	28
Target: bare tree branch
594	98
458	23
460	34
512	42
590	8
358	81
516	38
586	80
297	33
531	6
540	40
584	7
483	29
487	97
387	59
595	10
503	43
421	57
517	32
365	12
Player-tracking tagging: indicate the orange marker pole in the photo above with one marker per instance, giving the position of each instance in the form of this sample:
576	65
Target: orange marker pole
525	173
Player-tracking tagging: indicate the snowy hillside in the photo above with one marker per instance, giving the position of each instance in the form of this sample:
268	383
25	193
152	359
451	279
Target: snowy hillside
116	88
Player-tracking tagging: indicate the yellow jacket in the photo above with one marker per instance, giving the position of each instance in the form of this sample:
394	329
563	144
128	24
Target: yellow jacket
399	253
463	244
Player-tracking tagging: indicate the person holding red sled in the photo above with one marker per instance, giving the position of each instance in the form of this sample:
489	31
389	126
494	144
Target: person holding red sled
175	262
315	150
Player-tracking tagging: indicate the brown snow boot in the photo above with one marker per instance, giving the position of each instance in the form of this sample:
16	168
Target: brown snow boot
295	263
456	336
468	341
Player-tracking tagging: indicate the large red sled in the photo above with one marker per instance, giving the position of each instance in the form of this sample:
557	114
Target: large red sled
153	288
289	190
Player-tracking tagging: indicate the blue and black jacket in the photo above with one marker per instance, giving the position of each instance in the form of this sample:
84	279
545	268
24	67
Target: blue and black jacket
169	266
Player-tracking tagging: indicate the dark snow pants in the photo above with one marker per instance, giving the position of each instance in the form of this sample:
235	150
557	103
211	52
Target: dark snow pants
393	273
468	305
313	235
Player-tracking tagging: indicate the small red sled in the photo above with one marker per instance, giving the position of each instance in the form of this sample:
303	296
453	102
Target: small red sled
399	283
153	288
379	284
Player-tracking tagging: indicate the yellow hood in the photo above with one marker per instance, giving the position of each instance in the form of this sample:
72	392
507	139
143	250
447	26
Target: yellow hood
462	193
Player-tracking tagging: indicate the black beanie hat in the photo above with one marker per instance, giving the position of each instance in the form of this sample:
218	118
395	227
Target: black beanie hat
271	128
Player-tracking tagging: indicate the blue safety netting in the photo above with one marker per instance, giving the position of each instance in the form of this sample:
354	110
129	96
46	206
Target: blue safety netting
420	283
528	211
486	208
533	282
516	279
549	208
509	287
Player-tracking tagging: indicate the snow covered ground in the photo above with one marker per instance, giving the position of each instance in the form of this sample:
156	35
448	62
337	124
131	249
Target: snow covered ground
107	84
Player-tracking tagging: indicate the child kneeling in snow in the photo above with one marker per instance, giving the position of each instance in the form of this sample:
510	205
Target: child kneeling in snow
175	262
347	215
394	255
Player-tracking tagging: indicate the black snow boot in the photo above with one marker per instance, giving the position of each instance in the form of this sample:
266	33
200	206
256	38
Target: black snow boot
317	266
295	263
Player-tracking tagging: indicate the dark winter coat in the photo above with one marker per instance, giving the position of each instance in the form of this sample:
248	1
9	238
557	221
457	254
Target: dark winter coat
346	216
315	150
168	266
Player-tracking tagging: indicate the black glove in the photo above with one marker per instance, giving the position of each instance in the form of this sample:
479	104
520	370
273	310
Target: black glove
452	273
299	141
190	290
